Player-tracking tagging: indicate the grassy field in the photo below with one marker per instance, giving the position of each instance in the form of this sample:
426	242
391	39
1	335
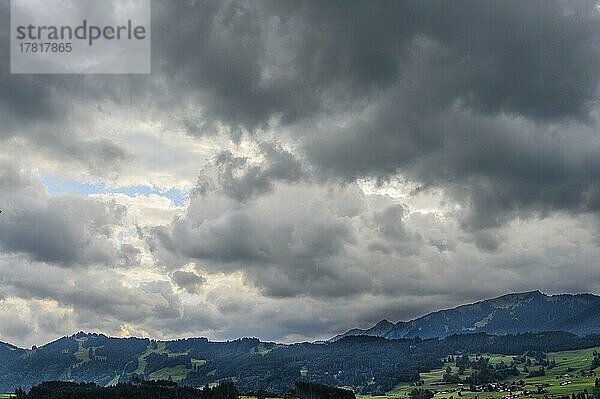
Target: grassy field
6	395
570	362
176	373
160	348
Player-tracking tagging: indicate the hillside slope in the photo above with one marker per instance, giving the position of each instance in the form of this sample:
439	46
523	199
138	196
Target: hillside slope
366	364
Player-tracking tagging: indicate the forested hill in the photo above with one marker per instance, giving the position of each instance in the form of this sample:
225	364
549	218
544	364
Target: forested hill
366	364
508	314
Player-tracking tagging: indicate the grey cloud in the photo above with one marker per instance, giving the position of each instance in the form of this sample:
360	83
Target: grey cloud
485	107
169	305
65	230
390	222
129	255
241	179
189	281
49	234
486	240
296	239
498	167
400	286
315	240
13	325
289	241
95	291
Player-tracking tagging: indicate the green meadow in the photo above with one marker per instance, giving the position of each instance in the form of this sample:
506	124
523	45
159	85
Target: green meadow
554	382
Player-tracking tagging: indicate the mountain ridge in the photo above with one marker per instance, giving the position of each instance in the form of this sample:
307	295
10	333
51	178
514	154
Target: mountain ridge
530	311
386	329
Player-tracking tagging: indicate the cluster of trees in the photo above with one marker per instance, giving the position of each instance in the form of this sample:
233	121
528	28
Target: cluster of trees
596	390
421	393
504	370
309	390
581	395
133	390
539	356
548	363
482	371
595	394
539	359
595	361
451	378
537	373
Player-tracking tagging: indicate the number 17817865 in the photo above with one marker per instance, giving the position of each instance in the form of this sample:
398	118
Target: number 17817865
45	47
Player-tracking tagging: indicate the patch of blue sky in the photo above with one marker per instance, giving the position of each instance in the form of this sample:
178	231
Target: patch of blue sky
65	186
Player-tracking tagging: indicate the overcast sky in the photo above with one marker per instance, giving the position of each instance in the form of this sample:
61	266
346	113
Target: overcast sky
294	169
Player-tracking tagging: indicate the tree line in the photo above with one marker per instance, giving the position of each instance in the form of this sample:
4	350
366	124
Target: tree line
163	389
133	390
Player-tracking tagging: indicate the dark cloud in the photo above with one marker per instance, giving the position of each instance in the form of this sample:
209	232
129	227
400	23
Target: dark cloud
241	179
189	281
455	95
44	111
291	60
498	167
